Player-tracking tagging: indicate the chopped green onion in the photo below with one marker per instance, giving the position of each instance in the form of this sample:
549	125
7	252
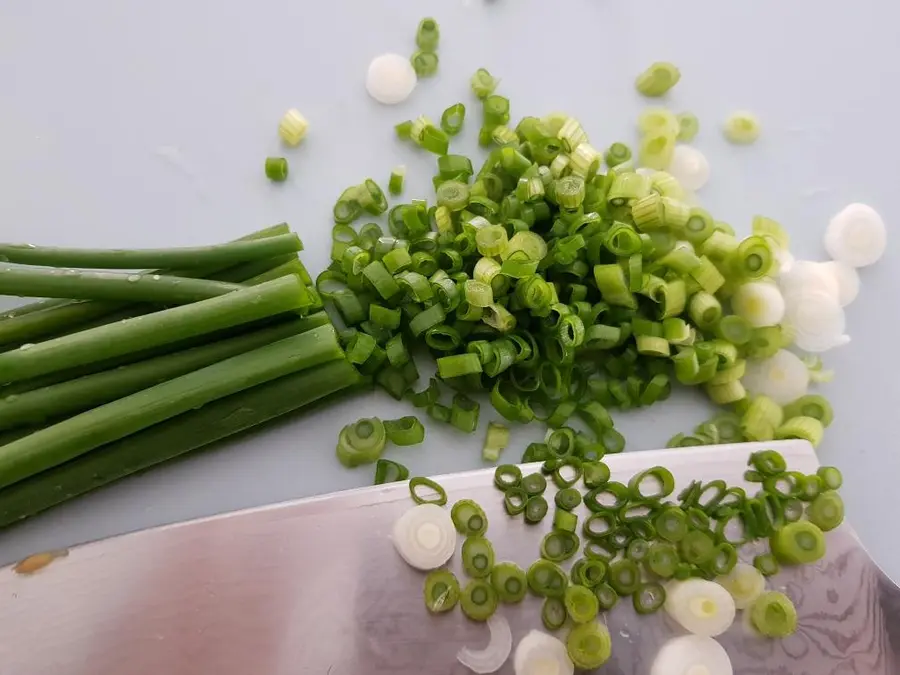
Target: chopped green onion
767	564
534	484
581	604
547	579
649	597
395	184
553	613
276	168
515	500
464	413
293	127
388	471
483	83
568	499
559	545
799	543
564	520
452	119
662	559
477	555
607	598
654	483
424	63
479	600
826	511
495	440
774	615
671	524
441	591
688	127
469	518
658	79
741	127
535	509
831	477
439	497
361	442
624	576
509	580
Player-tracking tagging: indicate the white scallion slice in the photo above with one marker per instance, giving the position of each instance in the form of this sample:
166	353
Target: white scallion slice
540	654
492	657
745	583
391	79
806	275
293	127
425	536
700	607
846	278
783	377
691	655
856	236
815	319
759	302
690	167
785	261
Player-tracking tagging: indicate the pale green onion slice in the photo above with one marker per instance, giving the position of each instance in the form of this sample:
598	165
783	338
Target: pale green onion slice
688	126
656	151
690	167
741	127
491	658
701	607
691	655
292	127
541	654
774	615
658	120
783	377
856	236
425	536
658	79
759	302
745	583
390	79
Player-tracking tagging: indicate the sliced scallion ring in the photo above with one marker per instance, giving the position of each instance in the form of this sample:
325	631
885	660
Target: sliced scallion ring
539	653
416	486
424	536
774	615
469	518
441	591
477	557
649	597
745	583
589	645
509	580
535	509
553	613
559	545
478	600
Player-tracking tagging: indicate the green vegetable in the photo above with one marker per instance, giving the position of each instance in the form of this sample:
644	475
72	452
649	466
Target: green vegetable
495	440
507	476
535	509
547	579
662	558
607	598
395	184
568	499
441	591
624	576
774	615
70	438
452	119
741	128
469	518
405	430
509	580
649	597
477	556
589	645
428	35
767	564
182	434
276	168
361	442
483	83
515	500
439	497
168	326
83	393
559	545
826	511
534	484
389	471
799	543
479	600
581	604
553	613
688	127
831	477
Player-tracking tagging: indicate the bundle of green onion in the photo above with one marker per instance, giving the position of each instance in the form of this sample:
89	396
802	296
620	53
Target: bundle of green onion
124	370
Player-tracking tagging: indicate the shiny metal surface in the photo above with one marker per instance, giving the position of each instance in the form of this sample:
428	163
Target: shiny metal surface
315	587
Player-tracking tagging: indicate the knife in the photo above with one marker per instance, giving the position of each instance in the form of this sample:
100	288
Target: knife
315	587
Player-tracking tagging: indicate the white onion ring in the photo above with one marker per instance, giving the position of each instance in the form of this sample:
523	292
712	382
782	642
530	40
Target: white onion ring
783	377
690	655
856	236
492	657
390	79
425	536
539	654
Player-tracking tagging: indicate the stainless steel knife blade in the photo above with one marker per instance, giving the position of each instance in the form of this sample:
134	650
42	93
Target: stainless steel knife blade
314	587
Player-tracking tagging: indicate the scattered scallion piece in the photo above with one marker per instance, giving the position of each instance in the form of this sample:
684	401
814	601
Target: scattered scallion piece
535	509
276	169
581	604
774	615
361	442
441	591
439	497
405	431
452	119
589	645
469	518
424	63
658	79
649	597
688	127
553	613
509	580
741	128
479	600
477	556
767	564
395	184
547	579
389	471
495	441
428	35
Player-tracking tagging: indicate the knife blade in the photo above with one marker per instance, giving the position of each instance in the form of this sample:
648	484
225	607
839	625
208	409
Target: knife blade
314	586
